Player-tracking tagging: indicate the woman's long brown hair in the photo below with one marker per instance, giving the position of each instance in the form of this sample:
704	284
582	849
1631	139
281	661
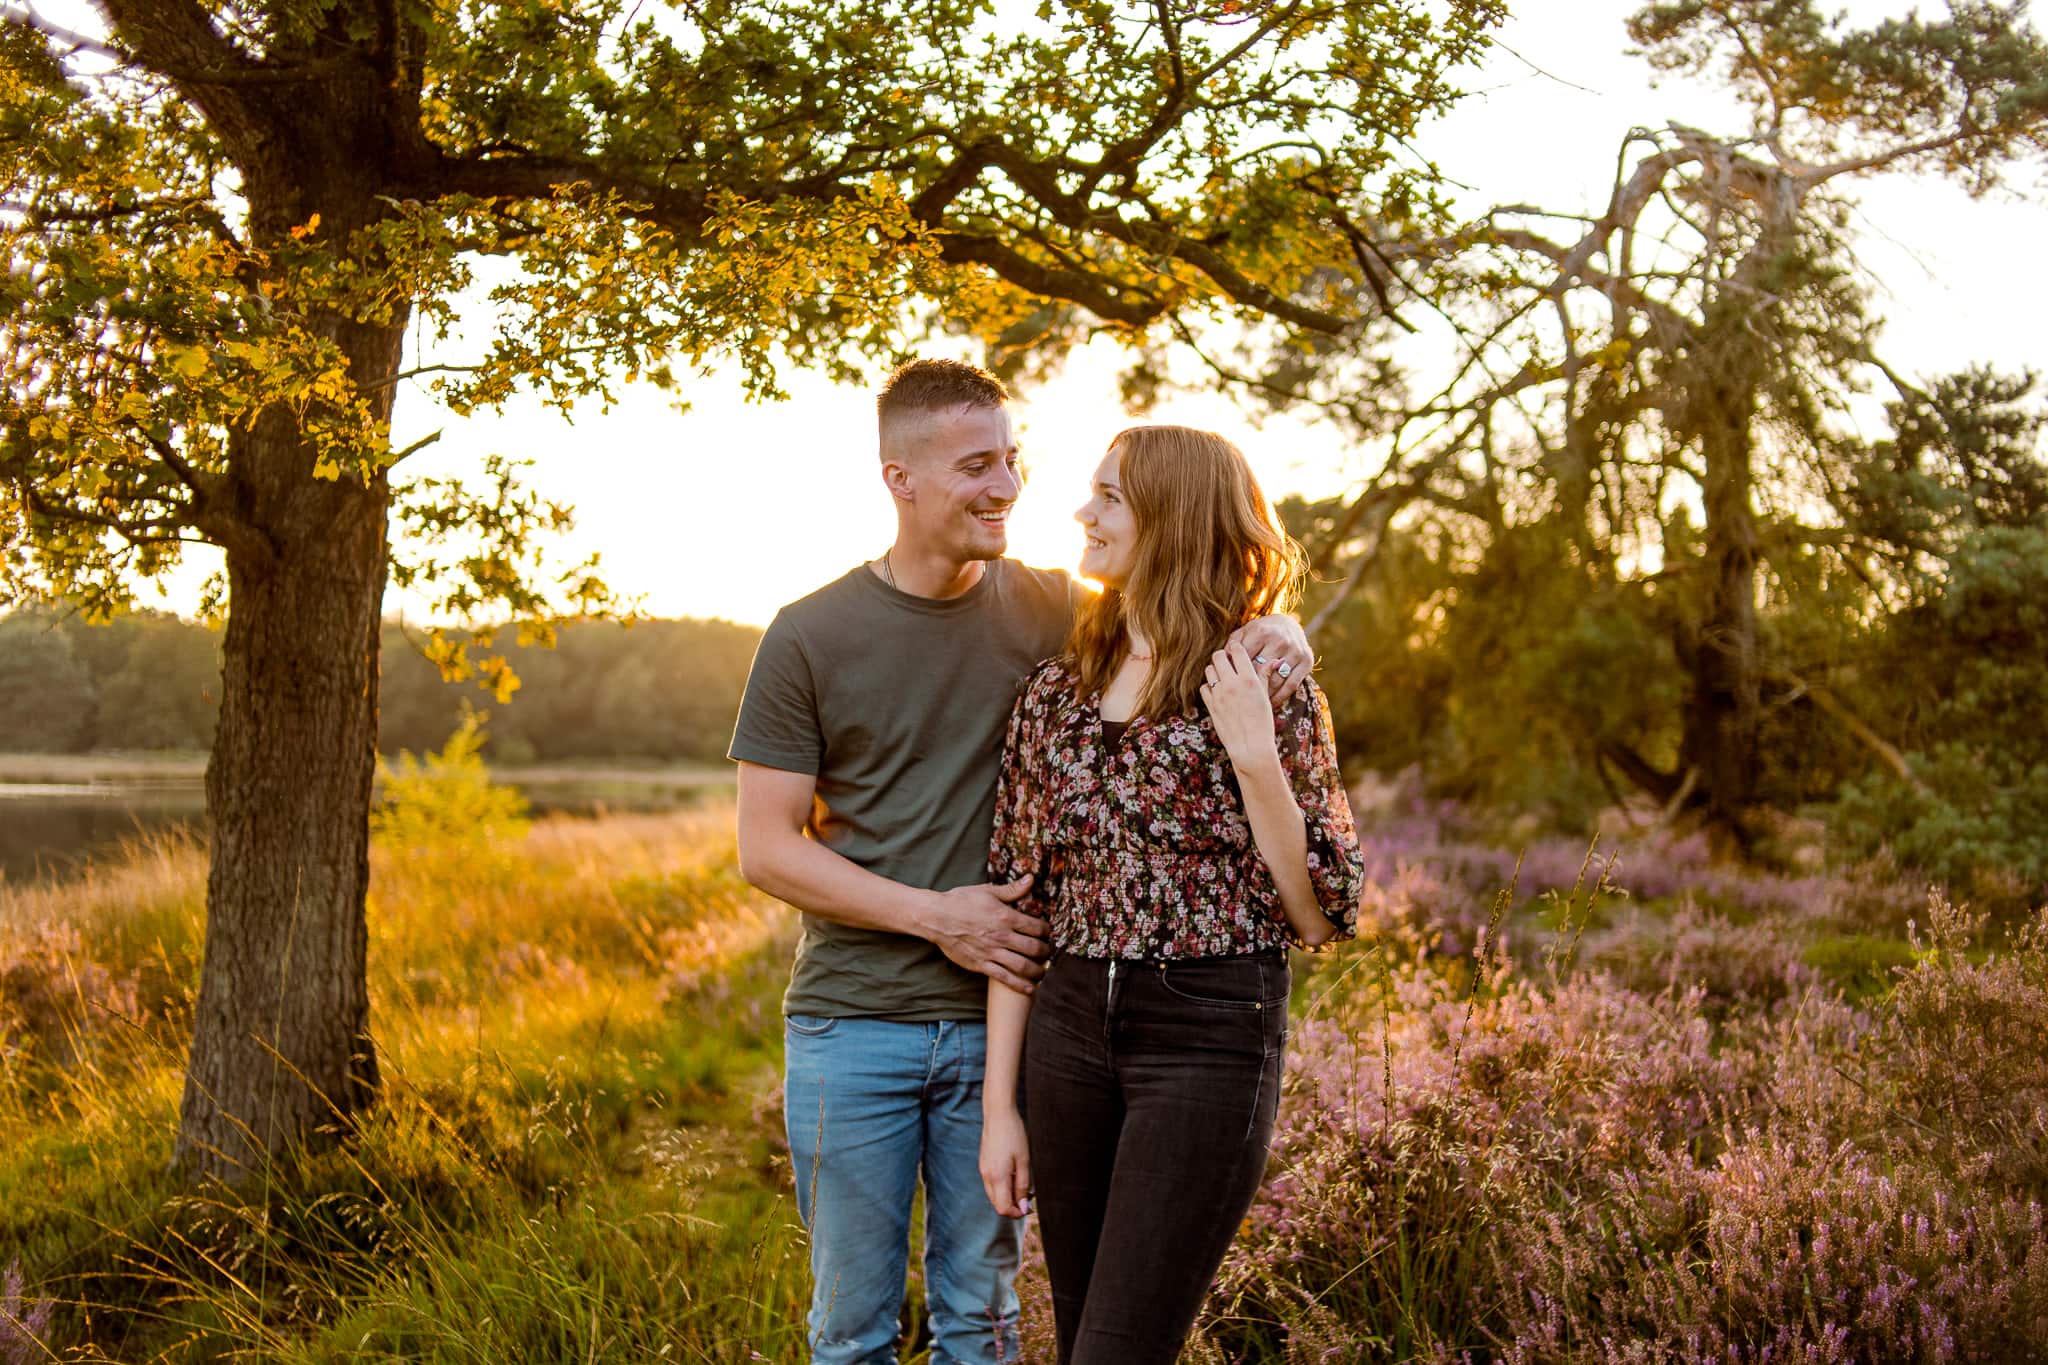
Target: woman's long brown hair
1209	557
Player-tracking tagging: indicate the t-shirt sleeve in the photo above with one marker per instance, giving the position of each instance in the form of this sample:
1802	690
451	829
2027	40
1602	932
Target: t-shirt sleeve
778	722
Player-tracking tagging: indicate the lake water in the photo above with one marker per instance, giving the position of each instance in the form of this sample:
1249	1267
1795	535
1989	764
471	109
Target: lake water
50	829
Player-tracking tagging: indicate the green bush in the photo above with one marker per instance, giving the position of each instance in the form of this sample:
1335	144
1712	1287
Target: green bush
447	801
1977	820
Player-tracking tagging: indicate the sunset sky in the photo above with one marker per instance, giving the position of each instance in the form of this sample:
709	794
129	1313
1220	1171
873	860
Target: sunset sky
731	509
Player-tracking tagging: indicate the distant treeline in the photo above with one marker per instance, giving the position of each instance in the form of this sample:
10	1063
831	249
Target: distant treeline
658	690
143	681
654	690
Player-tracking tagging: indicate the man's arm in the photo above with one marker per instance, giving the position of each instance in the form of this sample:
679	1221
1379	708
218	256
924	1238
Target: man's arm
975	926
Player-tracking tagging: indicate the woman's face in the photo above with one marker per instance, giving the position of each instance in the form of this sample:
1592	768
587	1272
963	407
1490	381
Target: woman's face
1112	533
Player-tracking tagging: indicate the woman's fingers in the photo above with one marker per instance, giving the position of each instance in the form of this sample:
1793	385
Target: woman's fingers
1232	665
1006	1170
1005	1192
995	1182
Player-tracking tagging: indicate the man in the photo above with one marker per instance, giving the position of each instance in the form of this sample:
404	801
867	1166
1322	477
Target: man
868	743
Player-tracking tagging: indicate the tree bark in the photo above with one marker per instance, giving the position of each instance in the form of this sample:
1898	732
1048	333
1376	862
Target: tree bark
281	1050
1724	704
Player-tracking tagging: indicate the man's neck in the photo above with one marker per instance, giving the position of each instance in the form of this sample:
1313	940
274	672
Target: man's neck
928	574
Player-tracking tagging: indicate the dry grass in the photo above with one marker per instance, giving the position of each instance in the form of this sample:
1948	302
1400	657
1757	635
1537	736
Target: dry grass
578	1027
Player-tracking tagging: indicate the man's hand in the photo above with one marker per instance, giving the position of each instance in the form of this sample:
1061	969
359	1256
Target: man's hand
1279	650
980	928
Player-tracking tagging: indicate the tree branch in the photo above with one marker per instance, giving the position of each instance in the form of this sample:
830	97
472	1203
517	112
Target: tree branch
136	532
1828	704
20	16
1092	292
1640	771
171	37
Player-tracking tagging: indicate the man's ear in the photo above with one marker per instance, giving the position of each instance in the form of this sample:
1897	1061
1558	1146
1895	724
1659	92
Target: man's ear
896	476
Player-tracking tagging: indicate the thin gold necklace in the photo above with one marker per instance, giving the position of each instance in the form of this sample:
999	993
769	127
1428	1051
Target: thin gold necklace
888	574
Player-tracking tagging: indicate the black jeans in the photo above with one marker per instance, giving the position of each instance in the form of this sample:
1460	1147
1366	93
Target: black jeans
1149	1091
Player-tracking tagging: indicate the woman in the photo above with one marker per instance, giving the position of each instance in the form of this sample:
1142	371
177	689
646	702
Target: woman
1181	836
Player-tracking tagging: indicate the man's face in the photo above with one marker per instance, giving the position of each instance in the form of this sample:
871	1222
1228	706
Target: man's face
960	475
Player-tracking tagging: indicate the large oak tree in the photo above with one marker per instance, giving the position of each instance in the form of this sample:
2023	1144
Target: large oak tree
225	219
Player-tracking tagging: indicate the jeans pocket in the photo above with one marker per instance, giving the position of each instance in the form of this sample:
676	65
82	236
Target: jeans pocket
1229	983
811	1025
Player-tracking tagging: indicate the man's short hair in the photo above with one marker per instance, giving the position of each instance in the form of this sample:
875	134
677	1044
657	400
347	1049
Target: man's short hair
919	387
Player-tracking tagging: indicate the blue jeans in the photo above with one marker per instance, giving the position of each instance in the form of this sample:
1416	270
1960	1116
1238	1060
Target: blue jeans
872	1106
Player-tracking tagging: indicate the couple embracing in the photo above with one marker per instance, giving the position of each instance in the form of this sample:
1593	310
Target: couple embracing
1050	849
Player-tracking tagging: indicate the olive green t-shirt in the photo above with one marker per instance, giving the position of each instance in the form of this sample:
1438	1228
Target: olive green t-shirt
898	705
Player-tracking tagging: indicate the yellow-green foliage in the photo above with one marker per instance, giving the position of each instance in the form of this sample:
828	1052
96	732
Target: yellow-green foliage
446	803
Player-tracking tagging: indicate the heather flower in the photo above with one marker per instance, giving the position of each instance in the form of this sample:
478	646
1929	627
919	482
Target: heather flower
1729	963
54	996
1692	1151
24	1321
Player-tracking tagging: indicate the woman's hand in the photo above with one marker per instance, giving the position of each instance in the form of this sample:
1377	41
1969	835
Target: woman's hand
1006	1163
1235	694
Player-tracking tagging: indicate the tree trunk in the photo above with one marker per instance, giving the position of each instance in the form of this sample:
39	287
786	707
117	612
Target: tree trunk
281	1050
1724	703
318	131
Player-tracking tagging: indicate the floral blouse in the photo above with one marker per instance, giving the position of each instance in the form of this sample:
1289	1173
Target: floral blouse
1142	848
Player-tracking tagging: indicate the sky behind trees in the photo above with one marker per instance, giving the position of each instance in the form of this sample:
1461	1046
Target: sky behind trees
730	509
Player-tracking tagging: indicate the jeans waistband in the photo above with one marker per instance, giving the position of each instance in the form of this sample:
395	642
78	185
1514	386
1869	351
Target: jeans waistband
1268	954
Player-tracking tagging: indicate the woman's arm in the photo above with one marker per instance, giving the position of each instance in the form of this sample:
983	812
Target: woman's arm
1281	833
1318	908
1005	1154
1016	850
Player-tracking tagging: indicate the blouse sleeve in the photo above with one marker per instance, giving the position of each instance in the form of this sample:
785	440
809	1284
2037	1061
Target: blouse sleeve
1308	753
1023	799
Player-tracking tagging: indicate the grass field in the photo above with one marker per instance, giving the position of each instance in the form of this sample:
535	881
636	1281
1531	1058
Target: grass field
580	1033
1717	1117
159	766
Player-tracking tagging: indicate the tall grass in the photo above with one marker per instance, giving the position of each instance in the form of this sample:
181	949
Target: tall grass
578	1023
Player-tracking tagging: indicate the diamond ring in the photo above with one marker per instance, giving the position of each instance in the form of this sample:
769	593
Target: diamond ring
1284	669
